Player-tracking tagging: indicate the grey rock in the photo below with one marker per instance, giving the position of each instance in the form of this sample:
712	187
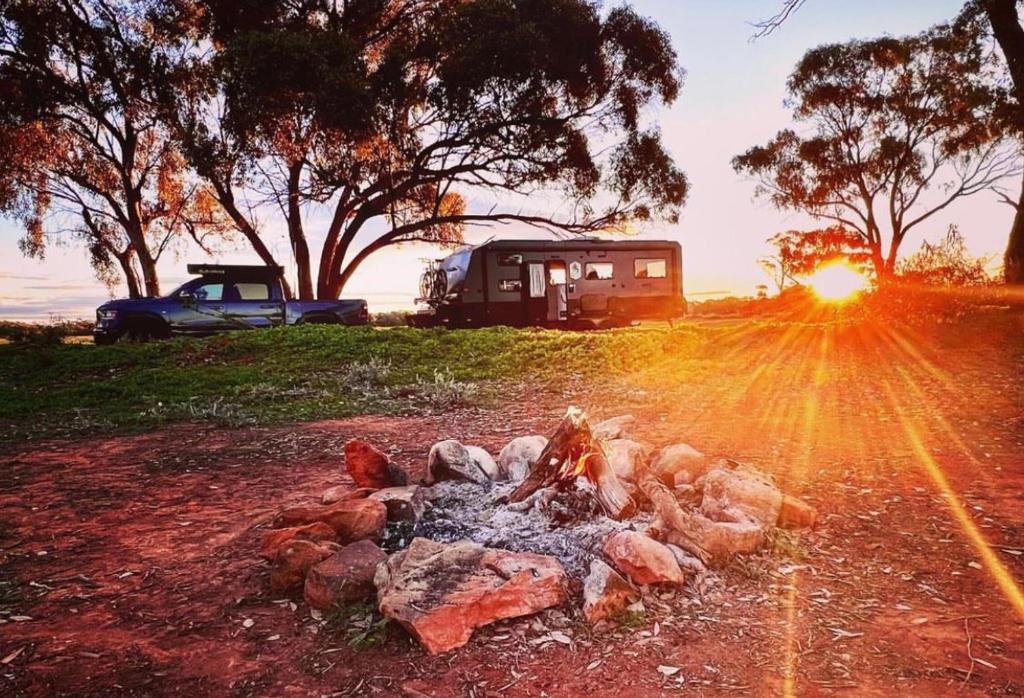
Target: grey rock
519	455
485	461
450	460
614	428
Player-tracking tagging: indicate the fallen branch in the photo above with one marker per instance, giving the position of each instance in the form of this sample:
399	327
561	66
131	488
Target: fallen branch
681	528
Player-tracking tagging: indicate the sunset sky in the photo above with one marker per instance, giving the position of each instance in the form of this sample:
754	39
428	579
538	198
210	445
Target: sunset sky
732	99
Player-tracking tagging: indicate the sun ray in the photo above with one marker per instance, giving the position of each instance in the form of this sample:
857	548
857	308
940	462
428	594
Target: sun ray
992	564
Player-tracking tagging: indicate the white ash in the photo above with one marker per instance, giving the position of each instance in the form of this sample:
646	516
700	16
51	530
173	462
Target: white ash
566	524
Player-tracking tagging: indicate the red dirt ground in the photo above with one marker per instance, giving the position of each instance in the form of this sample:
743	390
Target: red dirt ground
128	563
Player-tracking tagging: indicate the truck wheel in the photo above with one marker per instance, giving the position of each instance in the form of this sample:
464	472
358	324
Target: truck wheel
142	331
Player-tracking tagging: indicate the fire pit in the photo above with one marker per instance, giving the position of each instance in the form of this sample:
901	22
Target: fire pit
584	512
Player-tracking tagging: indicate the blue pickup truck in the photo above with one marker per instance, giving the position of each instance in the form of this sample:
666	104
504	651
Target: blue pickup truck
221	299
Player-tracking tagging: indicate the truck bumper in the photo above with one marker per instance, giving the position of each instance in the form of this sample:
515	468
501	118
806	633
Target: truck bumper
105	333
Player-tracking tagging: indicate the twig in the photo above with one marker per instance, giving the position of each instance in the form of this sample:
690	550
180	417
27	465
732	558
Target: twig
970	671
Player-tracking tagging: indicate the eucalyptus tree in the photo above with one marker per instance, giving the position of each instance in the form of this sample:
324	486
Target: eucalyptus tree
1003	20
409	120
83	150
894	130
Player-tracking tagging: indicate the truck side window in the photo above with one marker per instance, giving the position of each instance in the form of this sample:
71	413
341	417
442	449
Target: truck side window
650	268
253	292
209	292
599	271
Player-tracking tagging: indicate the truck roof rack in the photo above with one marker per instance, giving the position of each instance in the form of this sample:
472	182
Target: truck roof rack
236	270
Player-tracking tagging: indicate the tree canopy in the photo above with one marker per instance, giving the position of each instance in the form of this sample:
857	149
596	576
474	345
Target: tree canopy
408	120
82	150
800	252
899	128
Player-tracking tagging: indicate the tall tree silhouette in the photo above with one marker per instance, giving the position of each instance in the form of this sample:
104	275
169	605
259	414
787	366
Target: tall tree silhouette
407	120
899	129
83	150
1004	19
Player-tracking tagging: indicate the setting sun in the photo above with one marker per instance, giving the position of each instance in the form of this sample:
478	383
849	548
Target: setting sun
837	282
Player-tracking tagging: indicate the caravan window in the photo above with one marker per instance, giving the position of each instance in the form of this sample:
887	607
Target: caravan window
510	260
599	271
650	268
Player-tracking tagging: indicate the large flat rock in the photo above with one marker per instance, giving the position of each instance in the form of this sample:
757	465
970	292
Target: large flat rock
442	592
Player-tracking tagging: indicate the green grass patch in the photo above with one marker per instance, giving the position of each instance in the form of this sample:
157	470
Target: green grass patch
300	373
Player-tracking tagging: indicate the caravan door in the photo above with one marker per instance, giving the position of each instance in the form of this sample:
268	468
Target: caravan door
534	290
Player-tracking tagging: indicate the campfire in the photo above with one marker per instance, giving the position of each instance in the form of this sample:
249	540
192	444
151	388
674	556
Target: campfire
586	512
573	452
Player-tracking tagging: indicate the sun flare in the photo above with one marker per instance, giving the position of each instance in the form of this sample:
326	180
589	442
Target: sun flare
837	282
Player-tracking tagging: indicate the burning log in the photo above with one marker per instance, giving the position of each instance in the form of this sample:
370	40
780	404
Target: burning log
571	452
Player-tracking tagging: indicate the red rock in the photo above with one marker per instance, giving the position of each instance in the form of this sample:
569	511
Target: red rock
796	514
351	519
605	593
292	563
344	577
720	539
642	559
441	592
273	540
339	493
370	467
359	519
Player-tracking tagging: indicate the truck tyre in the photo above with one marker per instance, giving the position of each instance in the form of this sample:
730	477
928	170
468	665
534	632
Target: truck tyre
143	330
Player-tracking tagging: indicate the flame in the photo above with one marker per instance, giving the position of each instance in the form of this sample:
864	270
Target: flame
837	282
582	467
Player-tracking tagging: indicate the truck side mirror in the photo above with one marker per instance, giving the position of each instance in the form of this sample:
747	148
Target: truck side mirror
187	299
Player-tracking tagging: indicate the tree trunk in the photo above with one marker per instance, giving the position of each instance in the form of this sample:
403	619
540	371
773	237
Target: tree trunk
1006	27
331	248
227	201
137	237
1013	259
1002	15
890	261
131	279
878	263
300	247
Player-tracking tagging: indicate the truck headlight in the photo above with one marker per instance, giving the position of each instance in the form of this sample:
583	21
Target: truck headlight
106	314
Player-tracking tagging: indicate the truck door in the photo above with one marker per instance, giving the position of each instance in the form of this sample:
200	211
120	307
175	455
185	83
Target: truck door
252	303
534	290
203	308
